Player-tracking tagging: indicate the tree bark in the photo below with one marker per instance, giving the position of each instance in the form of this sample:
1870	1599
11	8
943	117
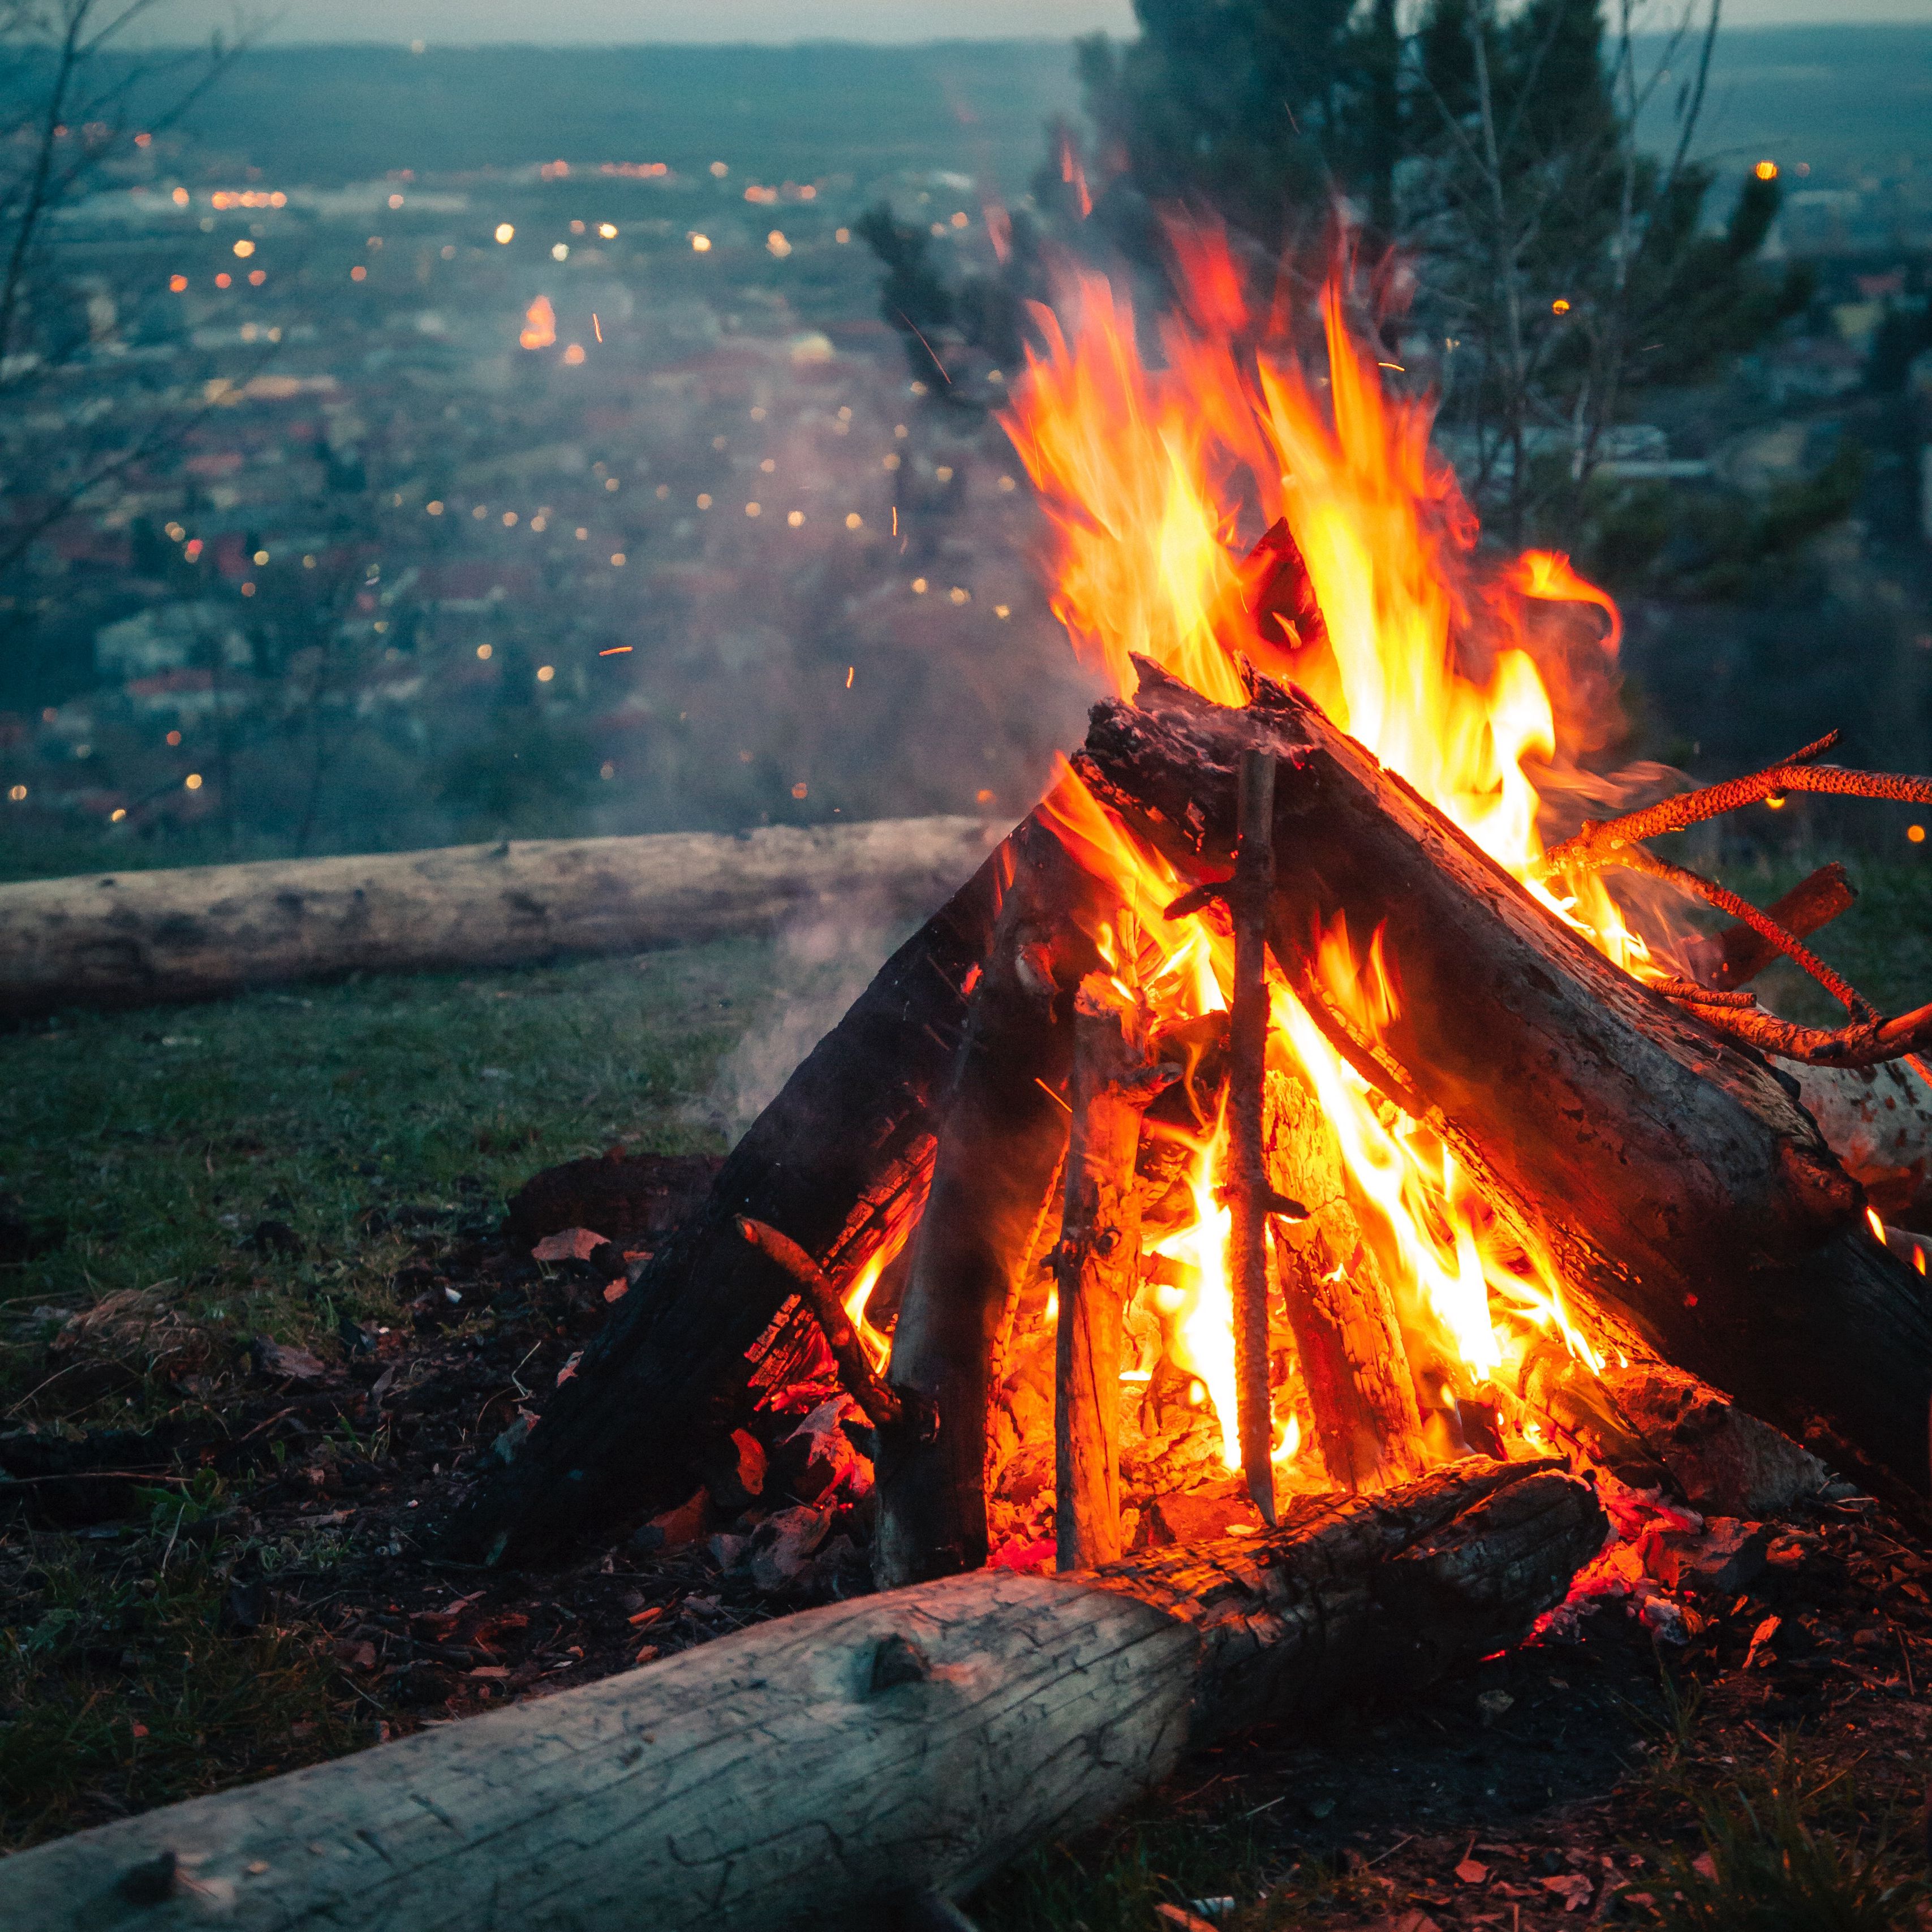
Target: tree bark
1354	1364
1878	1122
824	1764
1002	1132
1098	1263
202	931
1667	1174
839	1163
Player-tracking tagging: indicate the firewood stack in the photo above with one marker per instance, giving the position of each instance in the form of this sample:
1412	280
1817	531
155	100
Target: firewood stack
1007	1132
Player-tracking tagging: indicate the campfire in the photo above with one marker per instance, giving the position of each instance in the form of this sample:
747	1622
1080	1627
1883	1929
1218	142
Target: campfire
1326	1083
1309	1188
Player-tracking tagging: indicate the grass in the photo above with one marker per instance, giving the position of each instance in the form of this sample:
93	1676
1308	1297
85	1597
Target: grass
134	1687
1791	1846
144	1150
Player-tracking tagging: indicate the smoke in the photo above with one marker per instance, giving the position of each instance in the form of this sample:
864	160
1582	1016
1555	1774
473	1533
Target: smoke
821	962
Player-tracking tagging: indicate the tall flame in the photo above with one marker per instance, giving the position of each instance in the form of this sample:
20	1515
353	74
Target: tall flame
1157	479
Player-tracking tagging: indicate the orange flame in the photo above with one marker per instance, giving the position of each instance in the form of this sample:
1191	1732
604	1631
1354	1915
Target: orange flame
1157	479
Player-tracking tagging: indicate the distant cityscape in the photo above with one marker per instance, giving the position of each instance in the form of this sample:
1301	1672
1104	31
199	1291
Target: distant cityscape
588	492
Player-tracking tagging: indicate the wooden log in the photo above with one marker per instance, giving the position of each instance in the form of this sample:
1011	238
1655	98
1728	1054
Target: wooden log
1003	1131
1666	1172
840	1161
199	932
1097	1264
1878	1122
1355	1365
829	1762
1740	952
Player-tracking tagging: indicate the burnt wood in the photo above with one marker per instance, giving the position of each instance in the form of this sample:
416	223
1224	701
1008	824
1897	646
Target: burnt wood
839	1161
1355	1365
1098	1266
1726	959
1667	1172
1003	1126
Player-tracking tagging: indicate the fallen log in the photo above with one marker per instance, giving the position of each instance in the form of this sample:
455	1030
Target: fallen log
1665	1171
839	1163
202	931
822	1766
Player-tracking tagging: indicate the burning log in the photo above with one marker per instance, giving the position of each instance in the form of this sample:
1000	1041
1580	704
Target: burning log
1098	1260
1003	1132
200	932
902	1745
1353	1363
885	1407
840	1161
1250	1199
1664	1173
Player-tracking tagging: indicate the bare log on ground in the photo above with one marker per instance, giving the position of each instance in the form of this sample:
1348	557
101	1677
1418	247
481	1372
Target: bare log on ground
839	1161
1002	1124
1098	1258
1664	1171
821	1765
202	931
1354	1364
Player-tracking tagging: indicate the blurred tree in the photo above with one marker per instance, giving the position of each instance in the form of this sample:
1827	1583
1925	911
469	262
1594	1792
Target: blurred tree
1561	267
980	315
68	88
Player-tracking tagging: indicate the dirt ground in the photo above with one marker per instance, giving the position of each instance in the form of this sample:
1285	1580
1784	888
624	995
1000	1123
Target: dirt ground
1575	1780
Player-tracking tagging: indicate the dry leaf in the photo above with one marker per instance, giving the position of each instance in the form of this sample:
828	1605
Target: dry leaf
574	1244
1572	1888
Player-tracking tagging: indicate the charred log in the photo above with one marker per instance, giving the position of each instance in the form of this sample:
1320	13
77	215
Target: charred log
1003	1131
1113	1081
1347	1331
840	1161
1739	953
1663	1170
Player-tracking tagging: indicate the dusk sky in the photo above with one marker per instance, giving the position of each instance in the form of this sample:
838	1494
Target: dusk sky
457	22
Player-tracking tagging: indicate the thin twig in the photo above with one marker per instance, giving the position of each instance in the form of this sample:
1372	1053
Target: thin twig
885	1407
1635	858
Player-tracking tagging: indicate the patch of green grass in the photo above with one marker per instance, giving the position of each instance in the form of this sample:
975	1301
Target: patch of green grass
144	1148
1786	1849
121	1691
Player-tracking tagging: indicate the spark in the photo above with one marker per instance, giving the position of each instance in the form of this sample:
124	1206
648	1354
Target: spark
617	650
851	670
597	325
